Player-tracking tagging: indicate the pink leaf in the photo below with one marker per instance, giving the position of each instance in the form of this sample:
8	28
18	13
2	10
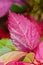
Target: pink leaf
24	33
4	6
39	52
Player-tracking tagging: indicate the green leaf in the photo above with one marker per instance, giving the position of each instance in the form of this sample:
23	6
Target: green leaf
4	50
6	45
18	8
29	57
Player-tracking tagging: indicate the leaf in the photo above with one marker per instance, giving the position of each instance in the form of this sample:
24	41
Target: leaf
39	53
29	57
10	56
4	7
18	8
23	32
6	45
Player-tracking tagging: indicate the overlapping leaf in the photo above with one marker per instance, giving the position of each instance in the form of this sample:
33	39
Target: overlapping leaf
23	32
4	6
6	45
